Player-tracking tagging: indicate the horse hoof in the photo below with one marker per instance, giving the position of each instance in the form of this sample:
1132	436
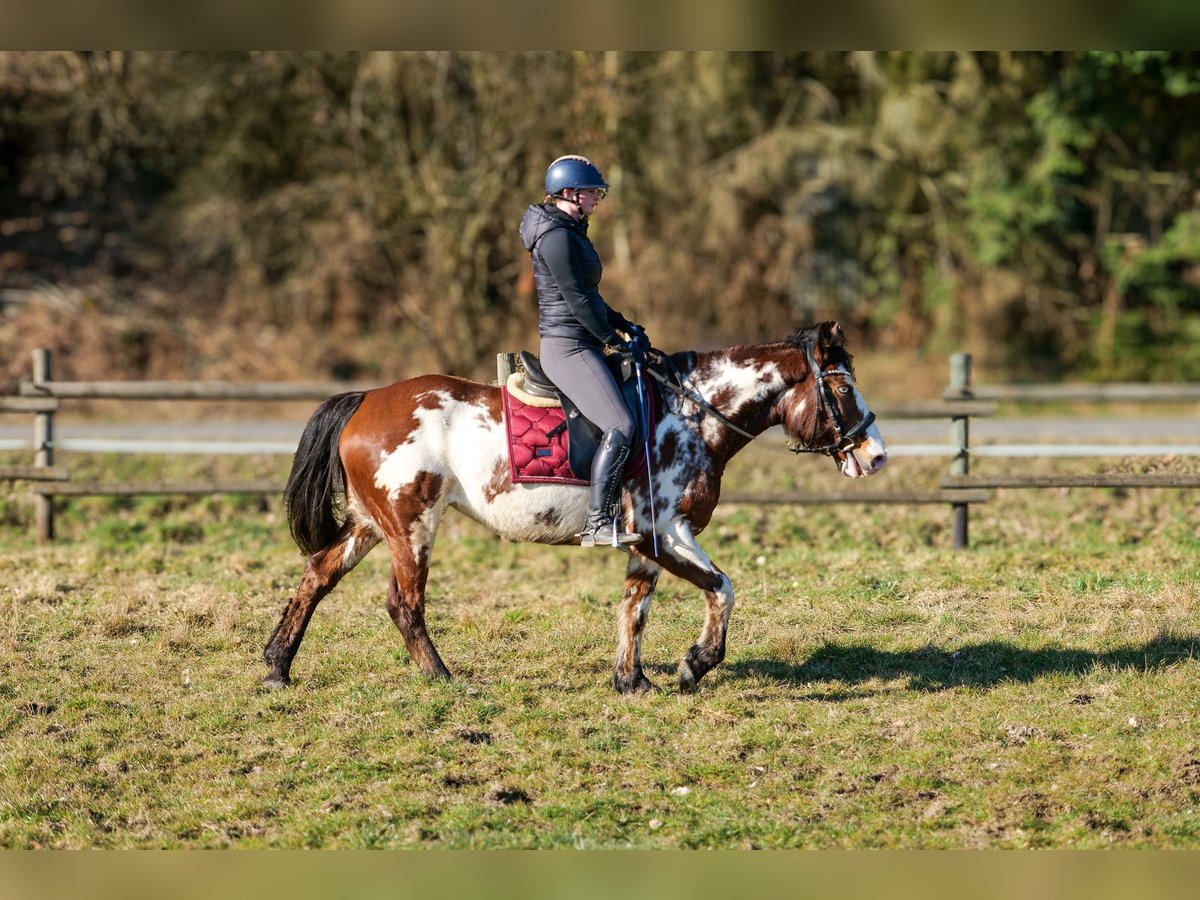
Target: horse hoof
639	684
276	682
687	680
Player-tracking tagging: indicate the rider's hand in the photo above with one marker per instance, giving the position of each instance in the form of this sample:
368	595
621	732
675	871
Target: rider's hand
637	335
634	348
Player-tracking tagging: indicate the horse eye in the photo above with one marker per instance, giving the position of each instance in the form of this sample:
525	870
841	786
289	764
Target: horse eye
843	389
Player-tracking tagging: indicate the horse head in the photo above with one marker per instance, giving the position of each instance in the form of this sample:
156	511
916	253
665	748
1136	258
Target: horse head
823	411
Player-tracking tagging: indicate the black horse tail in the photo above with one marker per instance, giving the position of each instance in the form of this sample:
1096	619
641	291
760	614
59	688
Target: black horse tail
316	487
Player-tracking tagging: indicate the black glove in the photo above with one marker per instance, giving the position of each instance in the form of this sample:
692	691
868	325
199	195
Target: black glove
634	349
637	335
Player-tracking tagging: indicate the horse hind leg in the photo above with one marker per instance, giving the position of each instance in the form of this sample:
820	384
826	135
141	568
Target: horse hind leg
323	570
406	591
409	617
641	576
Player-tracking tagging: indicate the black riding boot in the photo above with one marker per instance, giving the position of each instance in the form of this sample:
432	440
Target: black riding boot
604	508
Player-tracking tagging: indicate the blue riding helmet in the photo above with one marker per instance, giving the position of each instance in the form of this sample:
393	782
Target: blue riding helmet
575	172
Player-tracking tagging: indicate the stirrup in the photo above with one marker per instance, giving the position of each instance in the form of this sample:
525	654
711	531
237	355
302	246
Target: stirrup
608	536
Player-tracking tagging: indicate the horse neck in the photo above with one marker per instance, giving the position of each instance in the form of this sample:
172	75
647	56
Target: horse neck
742	383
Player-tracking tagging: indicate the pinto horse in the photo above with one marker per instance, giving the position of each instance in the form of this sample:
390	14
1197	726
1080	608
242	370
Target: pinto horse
385	464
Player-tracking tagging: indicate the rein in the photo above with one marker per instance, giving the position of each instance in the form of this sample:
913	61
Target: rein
700	402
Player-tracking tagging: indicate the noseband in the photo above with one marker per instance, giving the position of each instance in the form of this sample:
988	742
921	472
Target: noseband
845	440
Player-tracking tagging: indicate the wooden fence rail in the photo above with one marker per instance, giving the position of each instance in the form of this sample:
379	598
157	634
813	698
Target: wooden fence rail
960	489
1076	393
1097	480
181	390
41	396
28	404
143	488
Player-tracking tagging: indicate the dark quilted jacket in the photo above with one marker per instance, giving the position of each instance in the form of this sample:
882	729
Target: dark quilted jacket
566	271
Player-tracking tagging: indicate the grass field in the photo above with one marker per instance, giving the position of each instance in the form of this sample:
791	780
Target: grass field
880	690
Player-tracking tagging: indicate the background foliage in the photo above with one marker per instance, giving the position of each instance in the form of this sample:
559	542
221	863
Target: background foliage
293	214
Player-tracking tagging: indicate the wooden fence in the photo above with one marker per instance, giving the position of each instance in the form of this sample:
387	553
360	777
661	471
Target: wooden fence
962	401
42	396
961	390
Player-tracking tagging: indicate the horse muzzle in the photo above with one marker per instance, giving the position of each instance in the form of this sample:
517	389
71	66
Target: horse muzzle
865	460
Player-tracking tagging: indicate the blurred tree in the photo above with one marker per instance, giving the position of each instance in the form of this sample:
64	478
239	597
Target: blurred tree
1039	208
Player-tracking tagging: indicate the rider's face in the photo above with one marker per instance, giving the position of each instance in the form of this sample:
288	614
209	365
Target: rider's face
589	199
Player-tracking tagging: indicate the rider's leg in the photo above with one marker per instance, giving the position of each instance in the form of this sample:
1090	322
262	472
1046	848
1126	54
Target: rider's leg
602	525
579	371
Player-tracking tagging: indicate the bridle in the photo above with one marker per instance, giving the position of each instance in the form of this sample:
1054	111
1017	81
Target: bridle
845	440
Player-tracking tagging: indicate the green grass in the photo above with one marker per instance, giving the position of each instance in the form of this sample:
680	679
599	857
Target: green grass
880	690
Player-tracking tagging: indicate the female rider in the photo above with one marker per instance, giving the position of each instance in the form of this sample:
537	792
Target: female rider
576	325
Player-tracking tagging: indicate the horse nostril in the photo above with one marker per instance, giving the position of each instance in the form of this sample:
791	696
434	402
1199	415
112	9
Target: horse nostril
878	461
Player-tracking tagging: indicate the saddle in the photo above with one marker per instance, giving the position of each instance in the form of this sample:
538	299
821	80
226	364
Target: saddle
549	439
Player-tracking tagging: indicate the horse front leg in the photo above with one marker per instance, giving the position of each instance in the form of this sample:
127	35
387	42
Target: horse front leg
709	649
680	555
641	575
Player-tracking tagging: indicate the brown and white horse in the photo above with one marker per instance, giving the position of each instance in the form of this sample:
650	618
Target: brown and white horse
386	464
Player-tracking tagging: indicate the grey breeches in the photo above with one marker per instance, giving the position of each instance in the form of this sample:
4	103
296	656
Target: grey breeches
578	370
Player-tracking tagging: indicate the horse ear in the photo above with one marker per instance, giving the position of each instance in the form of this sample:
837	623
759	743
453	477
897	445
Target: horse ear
830	334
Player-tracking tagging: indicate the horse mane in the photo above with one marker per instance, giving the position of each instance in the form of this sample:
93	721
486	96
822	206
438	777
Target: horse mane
685	361
834	352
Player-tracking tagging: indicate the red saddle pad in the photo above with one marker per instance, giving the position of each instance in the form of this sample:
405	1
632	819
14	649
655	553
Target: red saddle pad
534	455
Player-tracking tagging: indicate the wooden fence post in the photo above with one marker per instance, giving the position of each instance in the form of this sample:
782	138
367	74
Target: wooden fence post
43	449
960	434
